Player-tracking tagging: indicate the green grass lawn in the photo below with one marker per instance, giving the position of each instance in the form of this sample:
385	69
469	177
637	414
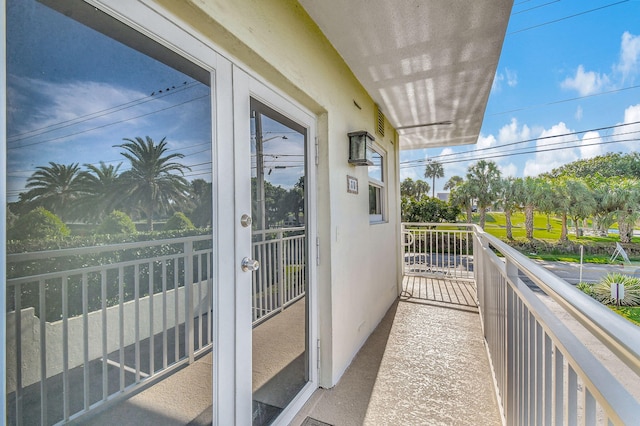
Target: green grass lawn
496	225
632	313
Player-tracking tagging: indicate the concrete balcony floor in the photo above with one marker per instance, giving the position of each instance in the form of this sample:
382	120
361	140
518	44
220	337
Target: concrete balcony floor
425	363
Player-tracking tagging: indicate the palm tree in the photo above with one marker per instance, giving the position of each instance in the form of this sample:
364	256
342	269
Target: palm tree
529	198
581	203
453	182
509	199
484	180
433	170
54	187
154	183
101	192
461	196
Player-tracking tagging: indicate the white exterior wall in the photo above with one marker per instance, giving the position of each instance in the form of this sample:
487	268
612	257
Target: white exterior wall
275	40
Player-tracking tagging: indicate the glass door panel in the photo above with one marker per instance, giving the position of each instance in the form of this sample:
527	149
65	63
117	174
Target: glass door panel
110	247
280	245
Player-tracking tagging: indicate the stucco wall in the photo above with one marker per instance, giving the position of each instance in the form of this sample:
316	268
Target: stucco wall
276	41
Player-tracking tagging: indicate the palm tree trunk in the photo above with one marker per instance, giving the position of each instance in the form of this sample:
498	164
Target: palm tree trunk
563	233
548	222
483	214
528	220
507	218
623	227
469	213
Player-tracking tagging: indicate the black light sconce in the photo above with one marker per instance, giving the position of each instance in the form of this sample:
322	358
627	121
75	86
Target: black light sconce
358	144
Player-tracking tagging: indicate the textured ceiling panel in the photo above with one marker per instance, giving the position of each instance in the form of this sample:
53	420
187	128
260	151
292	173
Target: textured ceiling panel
429	64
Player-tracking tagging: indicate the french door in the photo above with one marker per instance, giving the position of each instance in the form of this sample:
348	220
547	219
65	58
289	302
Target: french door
242	292
276	251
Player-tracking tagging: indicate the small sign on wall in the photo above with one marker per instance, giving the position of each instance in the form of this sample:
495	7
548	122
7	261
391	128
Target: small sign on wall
352	185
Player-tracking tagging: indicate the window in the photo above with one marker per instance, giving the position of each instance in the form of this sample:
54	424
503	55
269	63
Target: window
376	185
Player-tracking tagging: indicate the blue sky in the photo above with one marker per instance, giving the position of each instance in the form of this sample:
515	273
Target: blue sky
74	93
566	67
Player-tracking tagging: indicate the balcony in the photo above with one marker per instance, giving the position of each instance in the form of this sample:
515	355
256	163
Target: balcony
479	335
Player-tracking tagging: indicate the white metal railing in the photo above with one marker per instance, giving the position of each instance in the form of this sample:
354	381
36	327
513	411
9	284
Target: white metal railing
87	325
544	374
433	249
106	320
281	278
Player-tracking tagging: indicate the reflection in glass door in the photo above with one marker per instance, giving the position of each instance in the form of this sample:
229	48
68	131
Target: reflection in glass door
279	240
109	199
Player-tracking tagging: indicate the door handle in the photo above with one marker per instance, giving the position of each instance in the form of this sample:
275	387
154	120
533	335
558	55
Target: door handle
249	265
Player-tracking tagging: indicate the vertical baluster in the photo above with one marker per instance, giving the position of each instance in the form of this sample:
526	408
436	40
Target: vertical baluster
164	314
589	408
548	379
199	303
136	294
572	397
43	352
65	347
151	327
510	391
17	297
210	296
176	309
85	339
121	325
188	282
558	397
105	353
254	287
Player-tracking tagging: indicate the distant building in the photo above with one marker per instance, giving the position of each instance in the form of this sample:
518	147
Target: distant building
444	196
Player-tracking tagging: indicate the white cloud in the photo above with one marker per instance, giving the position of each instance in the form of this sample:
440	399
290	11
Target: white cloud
591	145
511	132
585	82
548	155
509	75
496	86
578	114
629	63
629	131
512	77
508	170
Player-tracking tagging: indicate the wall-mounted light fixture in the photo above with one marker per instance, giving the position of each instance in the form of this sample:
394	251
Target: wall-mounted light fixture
358	144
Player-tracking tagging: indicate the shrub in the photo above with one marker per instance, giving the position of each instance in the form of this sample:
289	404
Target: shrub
602	290
39	223
586	288
117	223
178	222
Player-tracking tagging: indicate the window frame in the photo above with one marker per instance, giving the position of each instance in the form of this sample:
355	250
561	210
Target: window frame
379	185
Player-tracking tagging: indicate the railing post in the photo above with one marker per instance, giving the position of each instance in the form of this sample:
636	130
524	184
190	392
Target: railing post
188	278
281	270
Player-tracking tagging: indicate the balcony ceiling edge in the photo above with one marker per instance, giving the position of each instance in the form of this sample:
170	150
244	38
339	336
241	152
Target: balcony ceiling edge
428	65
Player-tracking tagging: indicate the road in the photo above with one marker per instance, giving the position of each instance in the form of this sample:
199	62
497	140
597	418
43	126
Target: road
591	272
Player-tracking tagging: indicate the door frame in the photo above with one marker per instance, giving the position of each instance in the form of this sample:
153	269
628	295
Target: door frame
246	87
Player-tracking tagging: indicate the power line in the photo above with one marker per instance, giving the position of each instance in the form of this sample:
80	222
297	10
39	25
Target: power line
564	100
98	114
108	124
533	151
535	7
567	17
597	129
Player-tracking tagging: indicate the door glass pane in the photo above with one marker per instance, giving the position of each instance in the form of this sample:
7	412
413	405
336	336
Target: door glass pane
280	349
109	268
